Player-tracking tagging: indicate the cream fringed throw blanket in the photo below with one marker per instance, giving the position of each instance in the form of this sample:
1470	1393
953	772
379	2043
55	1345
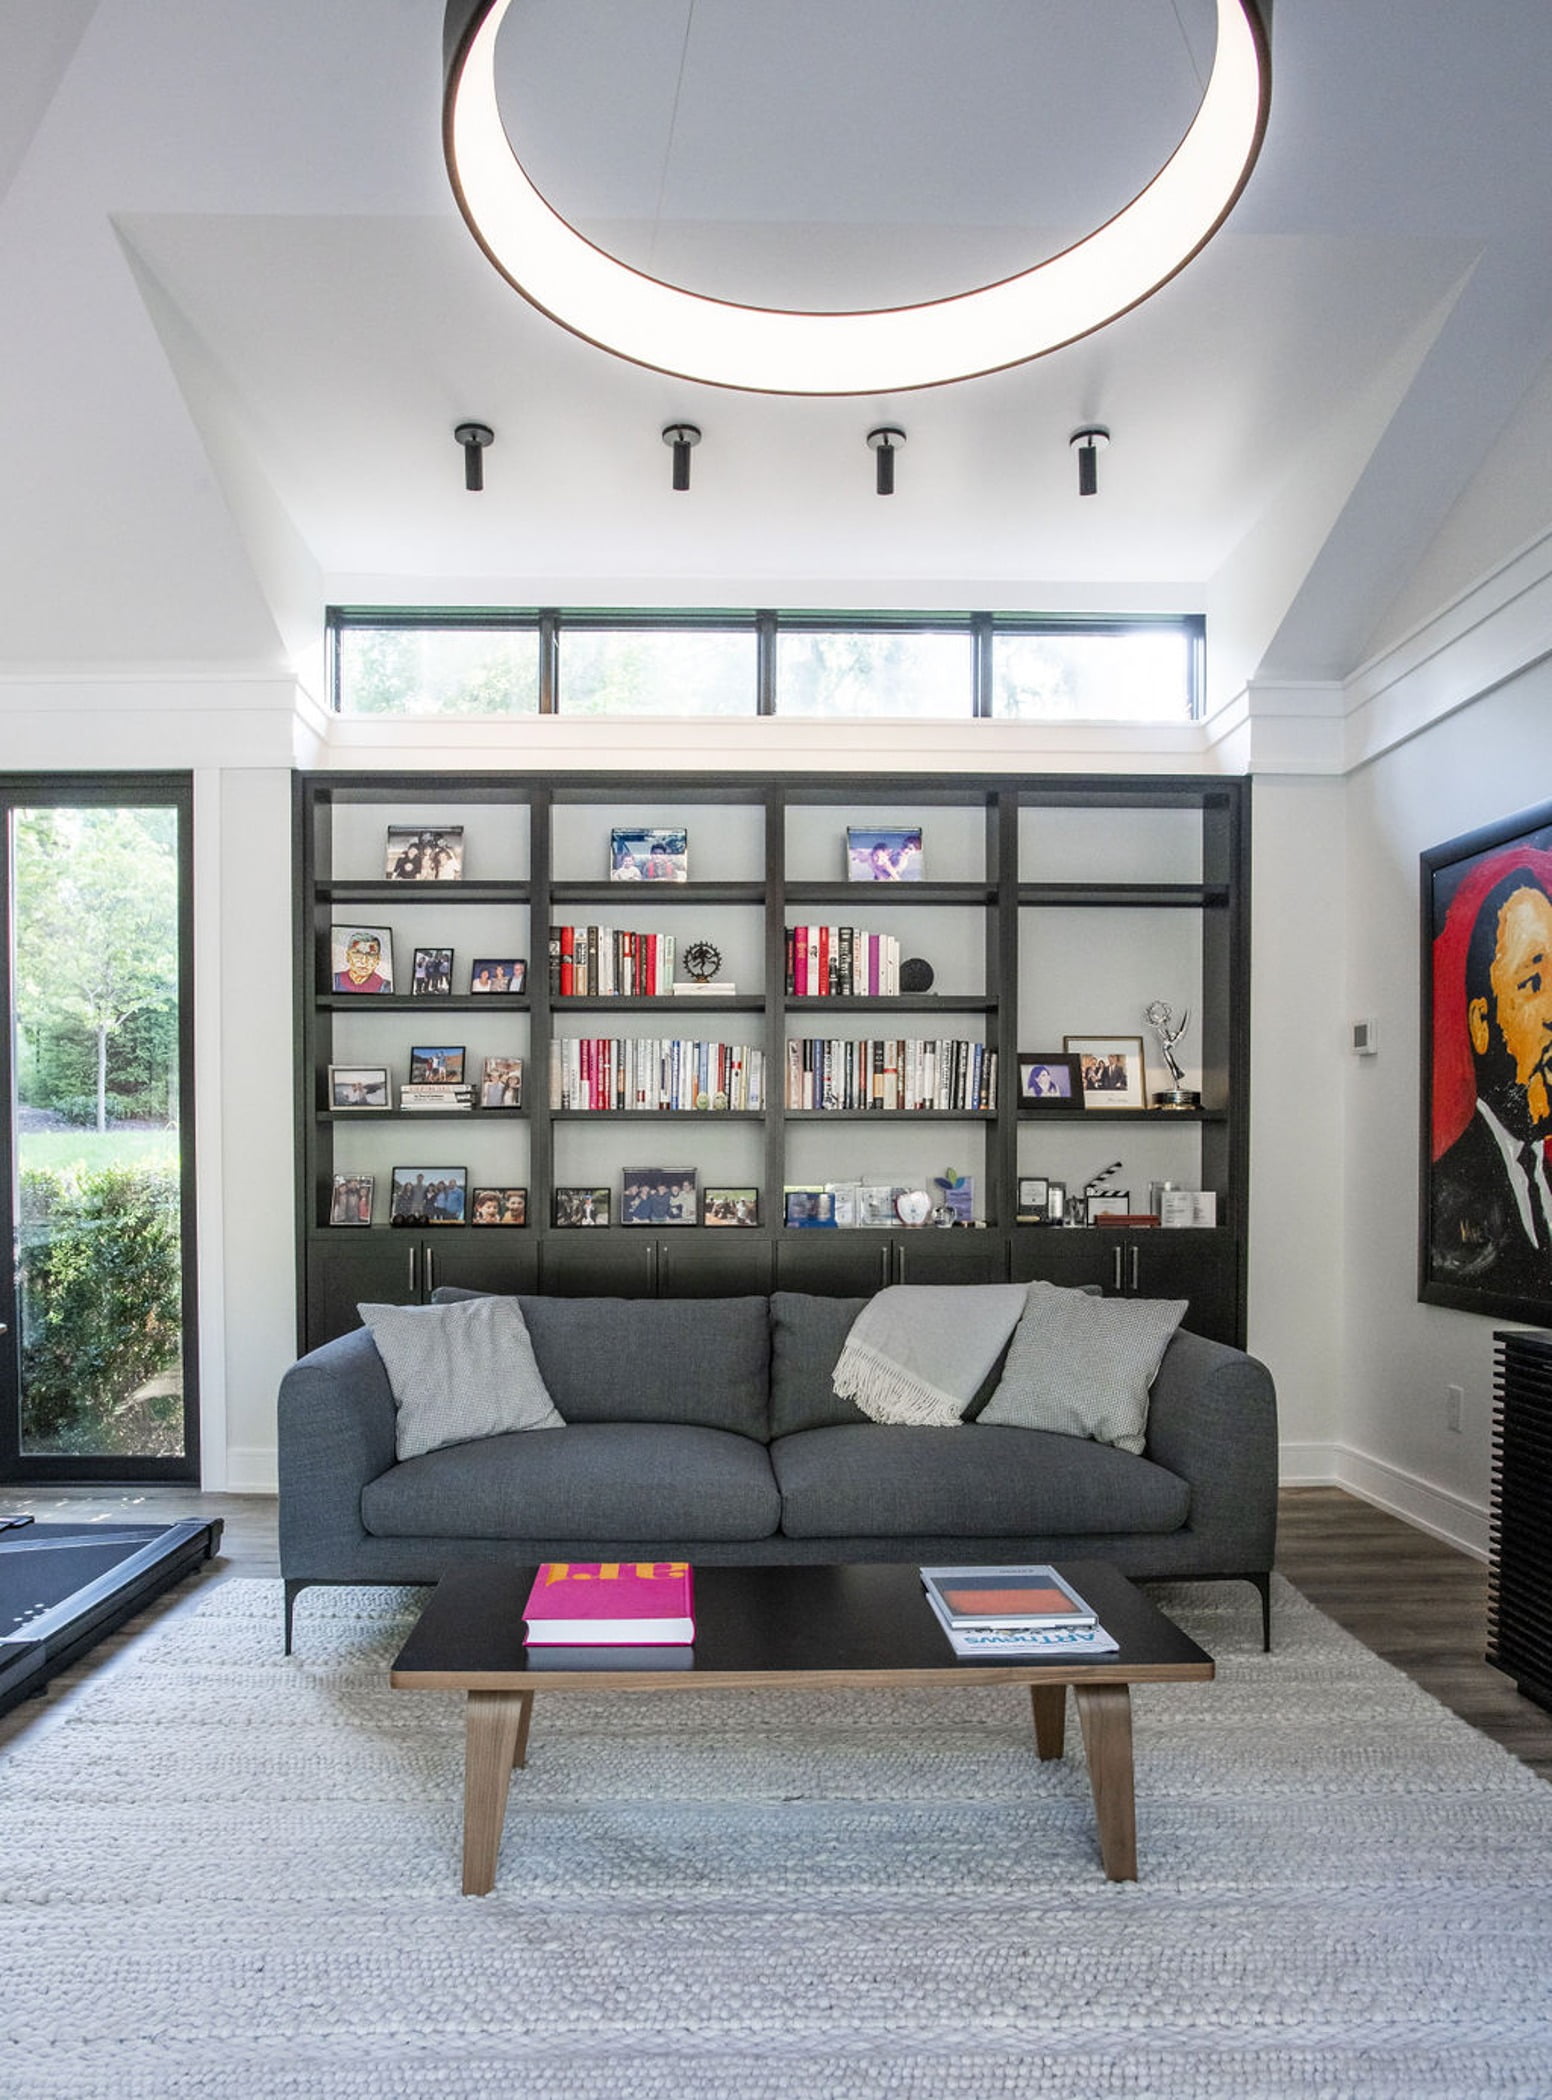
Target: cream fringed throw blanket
918	1352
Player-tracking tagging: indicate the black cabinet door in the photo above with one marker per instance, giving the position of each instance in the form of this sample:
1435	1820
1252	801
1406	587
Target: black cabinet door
492	1258
833	1264
1069	1255
930	1256
726	1262
594	1262
1199	1266
373	1268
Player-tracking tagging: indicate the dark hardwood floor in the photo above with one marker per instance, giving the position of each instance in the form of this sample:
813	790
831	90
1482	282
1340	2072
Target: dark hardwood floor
1417	1602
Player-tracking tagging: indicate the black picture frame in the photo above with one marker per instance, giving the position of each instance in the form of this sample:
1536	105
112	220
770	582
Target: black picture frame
424	1197
1049	1080
493	976
730	1206
500	1206
1486	1084
659	1197
432	977
361	960
436	1064
581	1207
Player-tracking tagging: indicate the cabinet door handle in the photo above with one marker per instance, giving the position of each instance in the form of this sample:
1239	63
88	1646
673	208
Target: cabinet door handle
663	1264
1136	1283
414	1283
887	1257
1115	1258
430	1270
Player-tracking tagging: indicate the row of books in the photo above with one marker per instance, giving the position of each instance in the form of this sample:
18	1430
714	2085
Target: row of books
435	1095
841	962
1014	1612
652	1073
606	962
890	1073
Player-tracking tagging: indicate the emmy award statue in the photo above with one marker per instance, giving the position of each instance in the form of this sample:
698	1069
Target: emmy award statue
1169	1031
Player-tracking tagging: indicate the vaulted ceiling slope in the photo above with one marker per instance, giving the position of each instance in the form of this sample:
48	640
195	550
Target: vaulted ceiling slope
242	316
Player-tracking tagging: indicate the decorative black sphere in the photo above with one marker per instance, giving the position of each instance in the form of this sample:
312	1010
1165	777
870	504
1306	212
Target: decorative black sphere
915	975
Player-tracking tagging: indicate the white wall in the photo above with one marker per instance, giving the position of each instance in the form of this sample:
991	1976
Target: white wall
1483	762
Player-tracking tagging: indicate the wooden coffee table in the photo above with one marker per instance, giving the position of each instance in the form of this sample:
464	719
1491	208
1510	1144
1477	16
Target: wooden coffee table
799	1627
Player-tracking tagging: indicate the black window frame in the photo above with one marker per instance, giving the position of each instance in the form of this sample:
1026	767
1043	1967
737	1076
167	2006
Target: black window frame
103	791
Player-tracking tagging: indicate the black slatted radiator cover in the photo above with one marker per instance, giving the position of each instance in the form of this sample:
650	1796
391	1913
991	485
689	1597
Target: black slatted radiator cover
1519	1593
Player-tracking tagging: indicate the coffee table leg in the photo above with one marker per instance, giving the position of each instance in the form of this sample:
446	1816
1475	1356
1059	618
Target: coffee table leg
1050	1706
1105	1714
495	1732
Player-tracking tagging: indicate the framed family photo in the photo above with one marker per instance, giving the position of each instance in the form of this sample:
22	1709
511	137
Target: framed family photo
361	958
649	855
730	1207
417	854
883	856
350	1199
358	1087
1485	1203
436	1064
501	1083
657	1196
428	1195
499	1207
580	1206
1049	1079
497	973
1110	1068
433	978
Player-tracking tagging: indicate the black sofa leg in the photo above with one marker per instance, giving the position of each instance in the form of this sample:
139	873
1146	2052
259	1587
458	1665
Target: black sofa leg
1264	1584
293	1591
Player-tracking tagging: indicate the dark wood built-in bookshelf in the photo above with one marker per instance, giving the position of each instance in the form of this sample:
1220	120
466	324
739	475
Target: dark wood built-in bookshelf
1053	905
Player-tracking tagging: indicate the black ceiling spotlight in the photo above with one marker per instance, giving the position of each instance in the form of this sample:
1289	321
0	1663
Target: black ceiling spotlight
681	436
1091	440
886	440
474	437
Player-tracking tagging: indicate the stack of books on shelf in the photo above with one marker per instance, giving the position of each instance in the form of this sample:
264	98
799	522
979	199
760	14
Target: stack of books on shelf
653	1073
895	1073
605	962
438	1094
841	962
621	1615
1019	1613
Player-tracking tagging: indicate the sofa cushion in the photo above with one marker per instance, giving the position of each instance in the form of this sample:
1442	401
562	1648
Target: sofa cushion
1082	1365
459	1372
880	1481
682	1360
631	1481
807	1336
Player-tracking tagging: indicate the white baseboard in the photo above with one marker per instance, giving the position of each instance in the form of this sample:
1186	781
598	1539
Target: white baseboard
251	1469
1418	1502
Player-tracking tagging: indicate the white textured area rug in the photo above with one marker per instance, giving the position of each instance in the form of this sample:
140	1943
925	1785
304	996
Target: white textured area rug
227	1873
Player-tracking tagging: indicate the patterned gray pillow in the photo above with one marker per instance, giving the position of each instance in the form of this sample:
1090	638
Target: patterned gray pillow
459	1372
1082	1365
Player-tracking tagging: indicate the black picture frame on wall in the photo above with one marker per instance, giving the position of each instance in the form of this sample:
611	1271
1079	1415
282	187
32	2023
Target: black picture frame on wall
1485	1182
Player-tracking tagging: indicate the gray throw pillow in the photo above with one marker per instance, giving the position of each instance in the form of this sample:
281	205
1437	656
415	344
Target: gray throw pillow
459	1372
1082	1365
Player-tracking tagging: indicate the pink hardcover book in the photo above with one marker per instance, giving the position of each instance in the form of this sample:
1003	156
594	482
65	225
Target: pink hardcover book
629	1603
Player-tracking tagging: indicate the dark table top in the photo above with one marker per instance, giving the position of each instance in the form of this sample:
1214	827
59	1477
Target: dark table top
862	1622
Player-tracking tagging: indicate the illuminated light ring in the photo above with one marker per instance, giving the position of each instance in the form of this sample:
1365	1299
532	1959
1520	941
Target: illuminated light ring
884	349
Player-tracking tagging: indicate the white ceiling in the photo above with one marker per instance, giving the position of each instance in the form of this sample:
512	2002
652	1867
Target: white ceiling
242	314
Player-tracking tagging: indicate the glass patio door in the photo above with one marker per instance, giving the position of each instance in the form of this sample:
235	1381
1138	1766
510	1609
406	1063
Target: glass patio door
97	1358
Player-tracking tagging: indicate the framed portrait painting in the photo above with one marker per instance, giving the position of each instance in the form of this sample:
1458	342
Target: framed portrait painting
1485	1203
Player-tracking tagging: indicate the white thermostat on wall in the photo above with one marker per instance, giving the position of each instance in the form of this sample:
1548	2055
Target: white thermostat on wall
1366	1038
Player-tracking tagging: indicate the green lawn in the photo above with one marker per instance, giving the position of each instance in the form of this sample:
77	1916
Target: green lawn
91	1148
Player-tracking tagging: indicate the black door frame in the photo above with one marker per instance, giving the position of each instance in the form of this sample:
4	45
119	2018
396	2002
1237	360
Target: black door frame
101	791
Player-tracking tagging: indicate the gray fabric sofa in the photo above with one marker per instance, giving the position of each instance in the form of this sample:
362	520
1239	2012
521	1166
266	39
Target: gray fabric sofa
707	1429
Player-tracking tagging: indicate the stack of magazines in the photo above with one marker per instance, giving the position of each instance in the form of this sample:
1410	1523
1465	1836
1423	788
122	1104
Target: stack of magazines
611	1615
1023	1613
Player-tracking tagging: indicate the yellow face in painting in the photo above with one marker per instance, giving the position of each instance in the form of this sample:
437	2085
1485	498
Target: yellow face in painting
1521	980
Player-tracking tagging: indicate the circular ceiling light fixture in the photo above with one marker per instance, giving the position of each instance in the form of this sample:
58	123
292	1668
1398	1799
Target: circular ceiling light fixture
884	349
